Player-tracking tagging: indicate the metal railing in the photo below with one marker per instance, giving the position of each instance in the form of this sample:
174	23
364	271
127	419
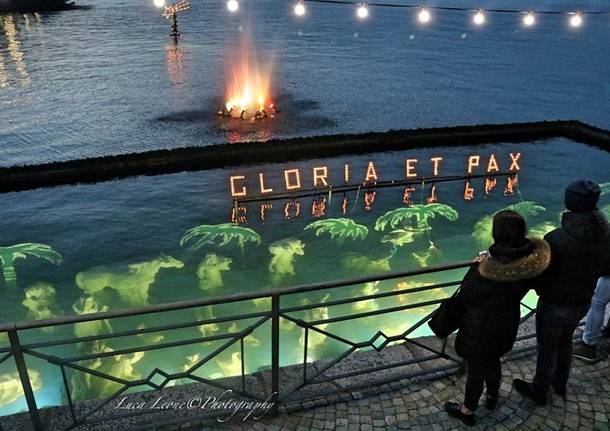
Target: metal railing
278	309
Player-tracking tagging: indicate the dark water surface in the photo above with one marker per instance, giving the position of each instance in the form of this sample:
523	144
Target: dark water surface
107	80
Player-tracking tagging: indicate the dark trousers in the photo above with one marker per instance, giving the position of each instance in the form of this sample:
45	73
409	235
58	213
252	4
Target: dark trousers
555	327
481	370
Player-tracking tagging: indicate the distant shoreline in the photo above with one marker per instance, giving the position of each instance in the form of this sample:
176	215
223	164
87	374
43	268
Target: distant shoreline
37	5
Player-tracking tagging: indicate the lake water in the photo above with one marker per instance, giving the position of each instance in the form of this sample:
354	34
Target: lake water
97	81
107	80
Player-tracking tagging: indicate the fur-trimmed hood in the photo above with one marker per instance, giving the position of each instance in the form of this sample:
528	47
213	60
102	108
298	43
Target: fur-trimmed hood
523	268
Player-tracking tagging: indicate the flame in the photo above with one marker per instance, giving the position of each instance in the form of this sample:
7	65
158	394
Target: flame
248	83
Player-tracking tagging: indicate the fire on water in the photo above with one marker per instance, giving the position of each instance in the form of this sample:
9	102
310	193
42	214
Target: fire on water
248	86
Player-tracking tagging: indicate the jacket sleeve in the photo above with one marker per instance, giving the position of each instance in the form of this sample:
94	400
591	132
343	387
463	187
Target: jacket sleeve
473	286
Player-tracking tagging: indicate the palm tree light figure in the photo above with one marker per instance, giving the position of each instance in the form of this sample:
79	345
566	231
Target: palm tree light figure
8	255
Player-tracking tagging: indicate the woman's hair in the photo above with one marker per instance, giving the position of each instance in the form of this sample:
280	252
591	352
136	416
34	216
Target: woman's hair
509	229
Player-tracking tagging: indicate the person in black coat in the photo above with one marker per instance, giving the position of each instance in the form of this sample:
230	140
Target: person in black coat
489	300
580	255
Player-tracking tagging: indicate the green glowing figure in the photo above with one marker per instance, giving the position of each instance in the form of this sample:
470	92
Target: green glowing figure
361	264
315	339
606	211
131	283
421	296
210	271
40	302
605	188
482	228
341	228
400	237
527	208
221	235
232	367
541	229
150	337
282	262
207	313
420	213
8	255
423	258
370	288
86	386
11	389
88	305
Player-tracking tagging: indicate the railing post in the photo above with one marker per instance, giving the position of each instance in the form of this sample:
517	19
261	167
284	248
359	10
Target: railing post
22	370
275	351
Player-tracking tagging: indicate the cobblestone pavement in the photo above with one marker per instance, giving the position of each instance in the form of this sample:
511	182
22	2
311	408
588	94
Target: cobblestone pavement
420	406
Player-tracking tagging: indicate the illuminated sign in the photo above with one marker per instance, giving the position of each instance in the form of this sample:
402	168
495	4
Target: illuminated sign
413	169
294	184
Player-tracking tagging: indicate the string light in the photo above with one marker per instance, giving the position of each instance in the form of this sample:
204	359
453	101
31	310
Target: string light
479	17
424	15
529	19
576	20
362	12
233	5
299	9
159	3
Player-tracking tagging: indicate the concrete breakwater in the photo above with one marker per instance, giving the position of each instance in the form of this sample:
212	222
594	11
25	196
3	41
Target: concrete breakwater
97	169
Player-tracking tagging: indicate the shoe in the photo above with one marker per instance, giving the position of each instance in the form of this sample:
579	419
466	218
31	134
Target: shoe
526	389
491	402
559	390
454	410
586	352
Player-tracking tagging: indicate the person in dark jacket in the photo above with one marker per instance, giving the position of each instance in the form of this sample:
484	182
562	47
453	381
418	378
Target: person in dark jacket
580	251
489	300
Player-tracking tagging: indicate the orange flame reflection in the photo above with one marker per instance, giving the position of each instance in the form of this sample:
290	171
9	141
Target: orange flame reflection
248	83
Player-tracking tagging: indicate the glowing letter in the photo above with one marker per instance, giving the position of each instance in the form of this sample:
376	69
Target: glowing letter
514	158
492	166
243	189
320	174
436	163
261	180
292	209
263	210
297	177
369	199
432	198
473	162
468	191
318	207
490	183
410	171
511	183
344	204
406	196
238	214
371	173
346	174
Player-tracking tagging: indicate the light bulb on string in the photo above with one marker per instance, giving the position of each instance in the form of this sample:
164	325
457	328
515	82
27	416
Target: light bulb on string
233	5
479	17
576	20
159	3
529	19
424	16
299	9
363	11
